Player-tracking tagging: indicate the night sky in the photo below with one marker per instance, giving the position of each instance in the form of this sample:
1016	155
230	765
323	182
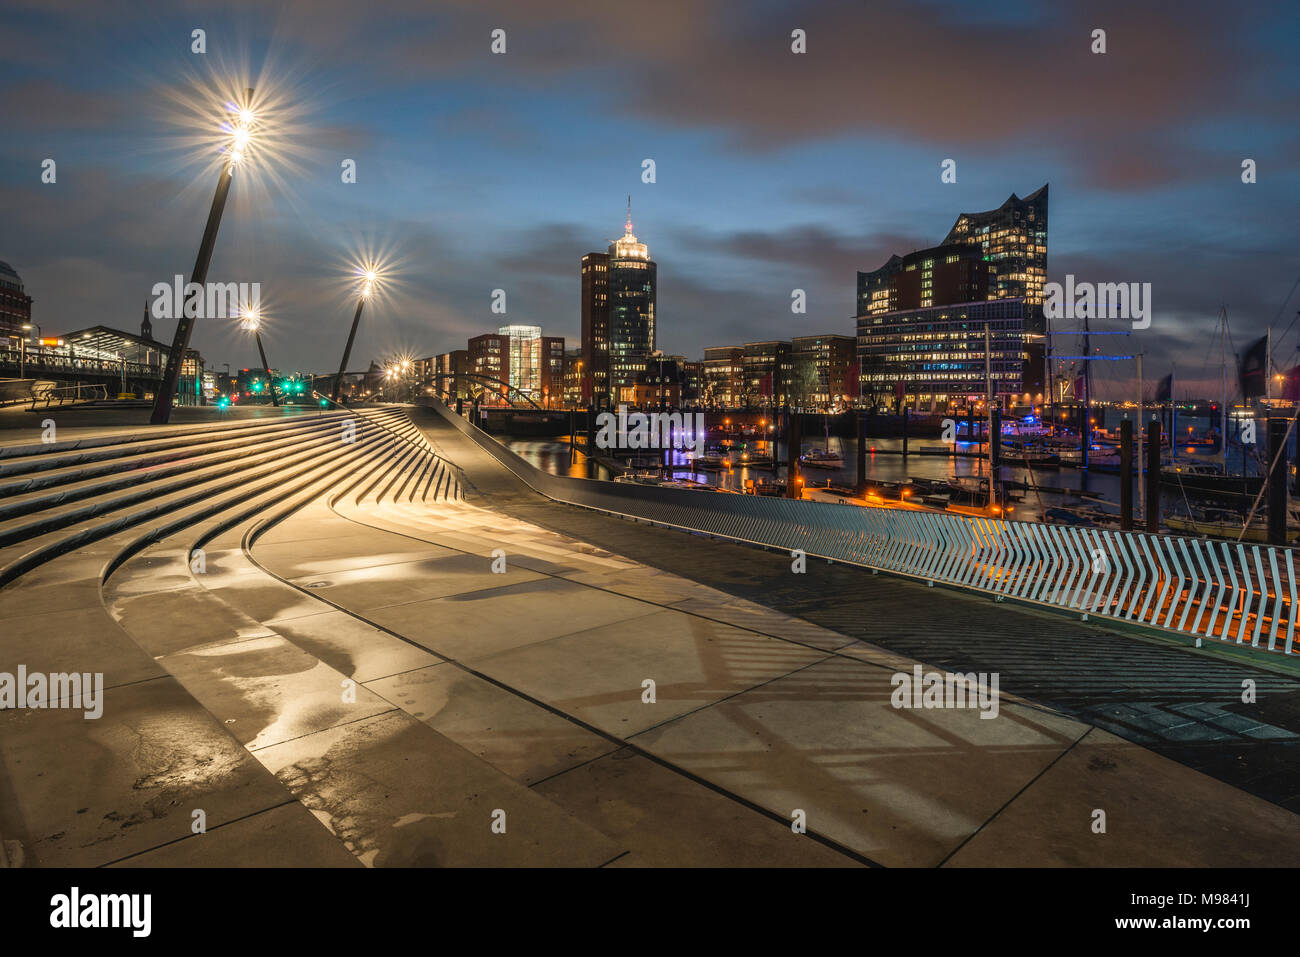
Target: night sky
774	170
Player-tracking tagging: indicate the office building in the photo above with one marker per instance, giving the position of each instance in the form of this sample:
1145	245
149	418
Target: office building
914	323
595	328
445	374
823	372
765	374
15	304
632	334
489	362
934	358
723	377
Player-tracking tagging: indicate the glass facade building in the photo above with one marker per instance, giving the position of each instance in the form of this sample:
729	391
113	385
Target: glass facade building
999	255
593	367
934	356
632	281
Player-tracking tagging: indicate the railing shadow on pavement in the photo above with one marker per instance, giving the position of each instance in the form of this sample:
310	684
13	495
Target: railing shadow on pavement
1190	587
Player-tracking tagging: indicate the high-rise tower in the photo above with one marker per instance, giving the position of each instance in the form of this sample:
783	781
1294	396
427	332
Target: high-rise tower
632	281
593	366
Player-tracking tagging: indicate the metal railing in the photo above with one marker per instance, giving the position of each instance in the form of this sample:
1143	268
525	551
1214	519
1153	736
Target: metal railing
35	360
1227	591
73	393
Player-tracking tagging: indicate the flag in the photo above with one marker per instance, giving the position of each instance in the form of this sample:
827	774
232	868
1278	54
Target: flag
1165	389
1252	368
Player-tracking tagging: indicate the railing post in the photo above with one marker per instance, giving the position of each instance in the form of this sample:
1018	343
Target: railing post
1126	475
862	452
793	443
1277	479
1153	476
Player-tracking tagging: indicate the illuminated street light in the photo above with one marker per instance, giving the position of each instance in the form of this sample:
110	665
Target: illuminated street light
241	138
250	320
371	276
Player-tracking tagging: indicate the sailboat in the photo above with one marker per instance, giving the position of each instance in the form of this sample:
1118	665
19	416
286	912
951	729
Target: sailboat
823	458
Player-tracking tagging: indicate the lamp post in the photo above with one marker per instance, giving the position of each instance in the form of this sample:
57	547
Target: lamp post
241	135
27	327
367	286
22	351
250	321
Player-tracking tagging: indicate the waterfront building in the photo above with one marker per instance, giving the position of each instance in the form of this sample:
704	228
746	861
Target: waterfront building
595	329
15	304
632	292
765	374
821	368
723	374
999	255
933	358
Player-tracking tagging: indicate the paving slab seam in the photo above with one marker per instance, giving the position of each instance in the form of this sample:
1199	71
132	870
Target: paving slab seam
250	539
212	830
1012	800
524	504
1014	698
300	495
326	730
1242	653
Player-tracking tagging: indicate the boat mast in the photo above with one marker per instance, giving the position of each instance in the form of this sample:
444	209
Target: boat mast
1223	408
1142	495
1173	419
1085	427
1268	369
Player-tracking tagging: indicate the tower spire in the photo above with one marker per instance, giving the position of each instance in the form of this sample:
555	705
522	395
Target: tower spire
629	212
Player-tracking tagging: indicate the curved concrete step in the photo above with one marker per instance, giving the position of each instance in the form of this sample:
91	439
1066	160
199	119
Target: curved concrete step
59	536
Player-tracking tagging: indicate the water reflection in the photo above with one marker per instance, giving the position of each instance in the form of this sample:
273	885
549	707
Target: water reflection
1044	488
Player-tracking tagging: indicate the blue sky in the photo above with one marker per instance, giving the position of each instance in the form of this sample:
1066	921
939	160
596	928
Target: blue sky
774	170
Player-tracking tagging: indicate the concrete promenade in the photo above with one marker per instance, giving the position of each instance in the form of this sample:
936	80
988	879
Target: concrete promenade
399	655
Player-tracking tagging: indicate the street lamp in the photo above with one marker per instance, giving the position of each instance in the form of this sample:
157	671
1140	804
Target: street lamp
370	277
241	137
251	321
22	352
